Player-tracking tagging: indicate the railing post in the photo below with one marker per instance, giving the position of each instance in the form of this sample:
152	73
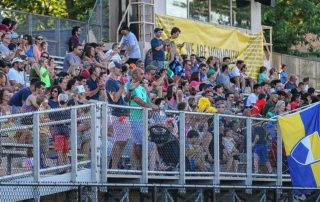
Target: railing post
144	178
182	158
216	179
279	159
104	147
58	37
93	143
36	147
249	154
30	24
74	145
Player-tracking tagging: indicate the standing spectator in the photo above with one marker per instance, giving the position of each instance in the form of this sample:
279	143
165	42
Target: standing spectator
45	71
74	39
130	44
284	74
62	132
306	84
253	97
37	47
73	57
158	45
226	60
93	83
138	97
115	90
16	74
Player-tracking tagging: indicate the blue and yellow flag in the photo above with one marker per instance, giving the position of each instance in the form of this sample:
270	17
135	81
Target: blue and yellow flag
300	133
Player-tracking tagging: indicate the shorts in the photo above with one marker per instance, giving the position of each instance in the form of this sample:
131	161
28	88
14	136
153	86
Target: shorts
262	151
137	131
121	128
132	60
61	143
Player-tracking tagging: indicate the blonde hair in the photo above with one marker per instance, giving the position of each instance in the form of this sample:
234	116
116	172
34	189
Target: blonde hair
72	70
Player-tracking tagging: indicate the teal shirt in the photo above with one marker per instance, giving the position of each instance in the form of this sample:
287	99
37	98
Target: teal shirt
141	93
261	77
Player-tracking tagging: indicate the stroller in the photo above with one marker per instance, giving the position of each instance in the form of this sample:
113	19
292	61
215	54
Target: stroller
166	143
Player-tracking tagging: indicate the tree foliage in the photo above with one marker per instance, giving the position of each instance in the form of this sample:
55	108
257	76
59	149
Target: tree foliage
74	9
292	20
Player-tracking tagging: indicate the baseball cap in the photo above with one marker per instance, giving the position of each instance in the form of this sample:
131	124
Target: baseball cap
16	59
14	36
115	64
157	29
210	72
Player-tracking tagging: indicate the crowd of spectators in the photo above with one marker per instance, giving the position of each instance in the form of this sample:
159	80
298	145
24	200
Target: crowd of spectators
165	80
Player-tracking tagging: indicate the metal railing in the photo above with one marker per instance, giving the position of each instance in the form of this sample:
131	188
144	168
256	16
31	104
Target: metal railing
140	144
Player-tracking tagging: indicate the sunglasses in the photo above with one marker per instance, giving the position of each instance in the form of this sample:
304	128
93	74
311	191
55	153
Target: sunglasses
47	57
39	39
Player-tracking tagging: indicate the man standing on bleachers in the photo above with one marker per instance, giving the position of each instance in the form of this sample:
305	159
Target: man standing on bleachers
75	38
130	44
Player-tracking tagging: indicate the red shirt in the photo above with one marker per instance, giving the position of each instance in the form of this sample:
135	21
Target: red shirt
258	107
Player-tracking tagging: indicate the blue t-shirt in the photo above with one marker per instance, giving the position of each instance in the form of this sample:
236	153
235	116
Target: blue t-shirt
283	76
53	104
157	55
92	85
113	86
19	97
70	57
131	40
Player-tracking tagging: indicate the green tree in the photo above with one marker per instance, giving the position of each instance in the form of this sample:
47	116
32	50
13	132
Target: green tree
292	20
73	9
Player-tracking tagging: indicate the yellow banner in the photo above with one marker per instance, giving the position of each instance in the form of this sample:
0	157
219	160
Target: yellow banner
212	40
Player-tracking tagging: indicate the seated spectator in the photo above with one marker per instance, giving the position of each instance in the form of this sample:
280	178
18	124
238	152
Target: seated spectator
236	74
114	54
223	78
299	90
259	105
55	91
253	97
194	151
295	101
291	84
6	54
16	74
230	153
270	104
263	76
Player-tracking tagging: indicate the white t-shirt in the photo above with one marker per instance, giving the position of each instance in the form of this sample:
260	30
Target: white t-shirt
14	75
252	99
235	72
131	40
115	57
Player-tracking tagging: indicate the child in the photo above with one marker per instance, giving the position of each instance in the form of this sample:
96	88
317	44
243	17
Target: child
194	151
230	152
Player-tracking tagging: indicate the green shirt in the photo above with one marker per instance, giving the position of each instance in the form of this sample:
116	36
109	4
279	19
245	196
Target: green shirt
141	93
44	77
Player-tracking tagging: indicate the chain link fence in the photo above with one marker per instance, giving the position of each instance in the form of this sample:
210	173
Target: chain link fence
300	67
57	31
101	143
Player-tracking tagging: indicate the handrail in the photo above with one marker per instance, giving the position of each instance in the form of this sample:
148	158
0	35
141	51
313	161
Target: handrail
122	19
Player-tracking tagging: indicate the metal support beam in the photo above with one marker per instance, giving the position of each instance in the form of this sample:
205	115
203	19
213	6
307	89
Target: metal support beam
216	179
144	177
182	157
249	154
74	145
